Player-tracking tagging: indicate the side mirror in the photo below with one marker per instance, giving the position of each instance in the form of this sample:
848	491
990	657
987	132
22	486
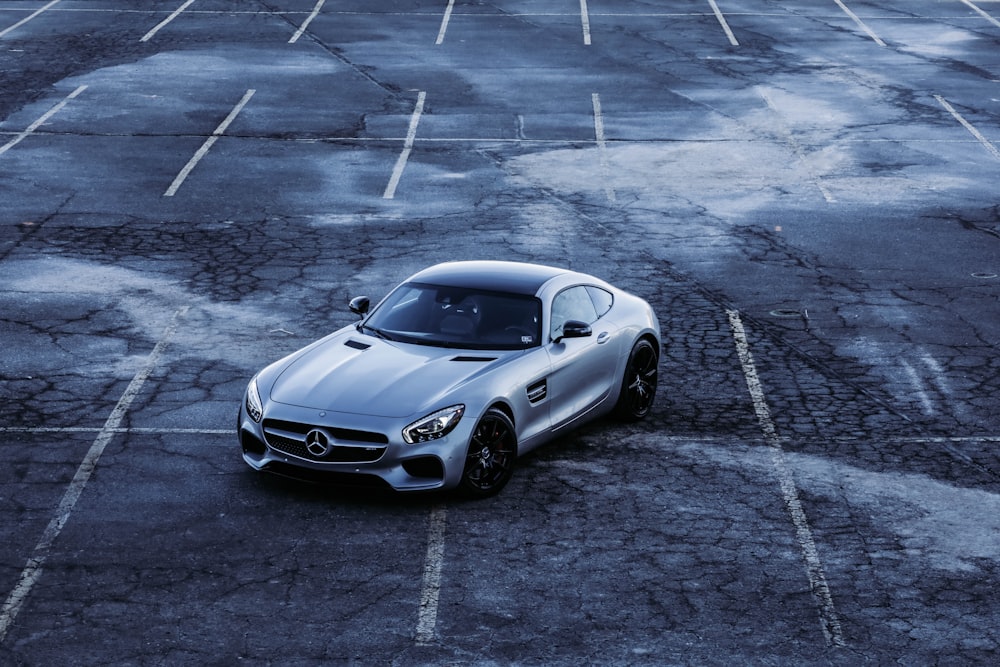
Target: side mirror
359	305
574	329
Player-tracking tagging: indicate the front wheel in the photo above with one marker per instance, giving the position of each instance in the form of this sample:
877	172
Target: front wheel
489	462
639	384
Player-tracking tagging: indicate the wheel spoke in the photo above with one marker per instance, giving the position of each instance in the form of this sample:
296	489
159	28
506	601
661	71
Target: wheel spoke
491	454
644	369
639	382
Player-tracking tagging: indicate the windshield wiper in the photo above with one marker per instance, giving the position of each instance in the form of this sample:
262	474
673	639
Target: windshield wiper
378	333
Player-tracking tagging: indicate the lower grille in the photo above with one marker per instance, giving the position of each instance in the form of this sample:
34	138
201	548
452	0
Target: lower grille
326	477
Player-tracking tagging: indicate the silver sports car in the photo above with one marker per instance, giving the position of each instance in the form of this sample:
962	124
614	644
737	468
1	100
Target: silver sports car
455	373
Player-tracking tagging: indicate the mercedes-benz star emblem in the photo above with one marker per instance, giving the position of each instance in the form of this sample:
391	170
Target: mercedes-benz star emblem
318	443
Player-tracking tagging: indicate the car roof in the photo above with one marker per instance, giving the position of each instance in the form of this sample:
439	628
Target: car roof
496	276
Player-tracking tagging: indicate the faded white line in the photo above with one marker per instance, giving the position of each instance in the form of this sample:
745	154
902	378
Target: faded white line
723	23
33	568
585	19
673	439
917	385
120	430
305	24
41	121
829	621
431	589
797	148
939	379
602	146
968	126
444	22
981	13
17	25
861	24
933	380
580	466
411	133
201	152
570	143
149	35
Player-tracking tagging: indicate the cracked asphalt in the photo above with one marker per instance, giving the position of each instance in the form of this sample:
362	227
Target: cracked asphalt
805	191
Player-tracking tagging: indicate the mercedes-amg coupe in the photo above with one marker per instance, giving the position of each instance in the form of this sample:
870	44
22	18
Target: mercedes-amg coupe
453	375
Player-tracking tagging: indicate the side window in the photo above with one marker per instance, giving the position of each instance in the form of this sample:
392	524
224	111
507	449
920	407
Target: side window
571	304
602	300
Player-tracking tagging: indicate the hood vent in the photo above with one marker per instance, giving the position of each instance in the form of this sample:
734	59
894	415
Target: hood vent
479	359
357	345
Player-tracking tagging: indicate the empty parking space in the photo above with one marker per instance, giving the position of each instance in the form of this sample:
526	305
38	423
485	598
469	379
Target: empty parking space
805	195
816	154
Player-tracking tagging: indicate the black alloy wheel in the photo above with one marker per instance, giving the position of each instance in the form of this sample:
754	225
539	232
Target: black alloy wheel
489	463
639	384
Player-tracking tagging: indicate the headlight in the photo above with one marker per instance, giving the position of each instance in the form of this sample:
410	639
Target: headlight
434	426
254	406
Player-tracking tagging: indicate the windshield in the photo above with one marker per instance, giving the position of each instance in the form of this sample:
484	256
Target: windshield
457	317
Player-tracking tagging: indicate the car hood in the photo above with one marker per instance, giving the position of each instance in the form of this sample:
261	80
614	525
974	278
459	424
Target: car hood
359	374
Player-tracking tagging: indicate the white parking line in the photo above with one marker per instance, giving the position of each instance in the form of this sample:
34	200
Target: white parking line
981	13
17	25
33	568
602	146
671	439
411	133
723	23
305	24
444	22
41	121
829	621
585	19
149	35
431	589
967	125
116	431
201	152
860	23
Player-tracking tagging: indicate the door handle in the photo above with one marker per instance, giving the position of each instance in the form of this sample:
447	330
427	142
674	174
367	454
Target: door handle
603	337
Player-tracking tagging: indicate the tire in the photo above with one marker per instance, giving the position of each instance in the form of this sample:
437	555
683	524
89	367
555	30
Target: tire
489	462
639	383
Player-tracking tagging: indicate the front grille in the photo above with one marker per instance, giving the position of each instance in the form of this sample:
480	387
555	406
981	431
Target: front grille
338	433
345	445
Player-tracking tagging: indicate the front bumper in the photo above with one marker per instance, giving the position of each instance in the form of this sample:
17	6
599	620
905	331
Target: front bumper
347	449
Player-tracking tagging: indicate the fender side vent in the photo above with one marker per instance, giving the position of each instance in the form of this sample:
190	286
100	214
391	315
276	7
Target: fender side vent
537	391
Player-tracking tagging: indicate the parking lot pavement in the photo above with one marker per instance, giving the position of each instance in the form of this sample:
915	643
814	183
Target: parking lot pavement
805	193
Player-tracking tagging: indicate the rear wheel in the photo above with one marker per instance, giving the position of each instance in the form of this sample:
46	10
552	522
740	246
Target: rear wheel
639	384
489	463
